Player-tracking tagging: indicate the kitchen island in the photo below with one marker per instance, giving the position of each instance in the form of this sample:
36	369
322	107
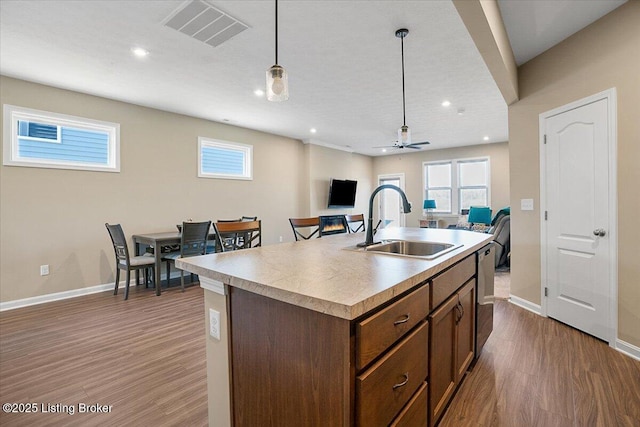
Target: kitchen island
317	333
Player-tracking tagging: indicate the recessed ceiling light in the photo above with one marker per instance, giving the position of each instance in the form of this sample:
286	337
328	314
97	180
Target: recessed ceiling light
139	52
258	92
313	130
486	138
446	103
384	150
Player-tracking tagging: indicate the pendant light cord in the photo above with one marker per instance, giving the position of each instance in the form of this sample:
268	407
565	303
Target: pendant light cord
404	118
277	34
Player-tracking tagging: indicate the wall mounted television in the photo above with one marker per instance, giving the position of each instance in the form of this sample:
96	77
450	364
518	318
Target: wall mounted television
342	193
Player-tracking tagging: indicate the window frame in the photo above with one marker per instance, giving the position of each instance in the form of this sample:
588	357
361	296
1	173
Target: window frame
450	188
455	180
472	187
247	149
13	114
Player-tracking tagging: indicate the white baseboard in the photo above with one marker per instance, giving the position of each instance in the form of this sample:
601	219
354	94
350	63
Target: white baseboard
41	299
527	305
57	296
628	349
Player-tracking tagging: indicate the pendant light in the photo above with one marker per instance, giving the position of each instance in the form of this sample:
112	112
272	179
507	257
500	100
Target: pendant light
404	133
277	80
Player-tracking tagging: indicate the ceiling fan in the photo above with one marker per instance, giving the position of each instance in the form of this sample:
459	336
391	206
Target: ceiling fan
404	133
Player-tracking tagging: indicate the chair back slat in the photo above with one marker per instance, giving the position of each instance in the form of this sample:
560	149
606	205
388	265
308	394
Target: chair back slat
356	223
119	242
238	235
311	224
194	238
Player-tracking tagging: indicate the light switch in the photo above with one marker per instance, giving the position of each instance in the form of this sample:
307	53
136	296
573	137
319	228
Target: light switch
526	204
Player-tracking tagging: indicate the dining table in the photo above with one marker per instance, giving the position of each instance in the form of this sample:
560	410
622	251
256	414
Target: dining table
158	241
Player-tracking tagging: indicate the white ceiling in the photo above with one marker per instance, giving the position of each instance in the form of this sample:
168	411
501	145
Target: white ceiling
534	26
342	57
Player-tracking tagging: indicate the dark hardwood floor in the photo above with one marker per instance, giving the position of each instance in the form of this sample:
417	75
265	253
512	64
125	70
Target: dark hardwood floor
535	371
146	358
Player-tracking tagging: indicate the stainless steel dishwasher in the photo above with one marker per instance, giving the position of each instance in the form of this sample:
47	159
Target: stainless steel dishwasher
484	295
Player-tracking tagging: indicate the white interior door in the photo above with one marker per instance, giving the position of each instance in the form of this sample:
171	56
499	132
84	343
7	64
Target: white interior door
389	202
578	221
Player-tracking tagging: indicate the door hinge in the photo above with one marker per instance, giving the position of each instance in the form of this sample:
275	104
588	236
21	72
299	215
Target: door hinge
546	292
545	139
546	215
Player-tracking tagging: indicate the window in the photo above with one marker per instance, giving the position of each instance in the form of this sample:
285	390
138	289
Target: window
42	139
438	188
457	184
472	183
226	160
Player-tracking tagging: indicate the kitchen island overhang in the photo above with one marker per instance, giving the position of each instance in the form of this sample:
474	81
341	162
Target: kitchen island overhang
325	276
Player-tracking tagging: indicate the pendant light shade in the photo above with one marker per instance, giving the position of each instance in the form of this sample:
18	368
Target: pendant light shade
404	135
277	84
277	80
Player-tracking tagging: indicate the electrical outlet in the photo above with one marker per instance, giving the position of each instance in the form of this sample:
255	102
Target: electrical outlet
280	239
214	323
44	270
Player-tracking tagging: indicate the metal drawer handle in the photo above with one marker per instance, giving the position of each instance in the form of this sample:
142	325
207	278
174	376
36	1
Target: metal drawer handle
404	320
459	312
406	380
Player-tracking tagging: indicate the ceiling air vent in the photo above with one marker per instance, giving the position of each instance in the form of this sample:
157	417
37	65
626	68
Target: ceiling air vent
203	22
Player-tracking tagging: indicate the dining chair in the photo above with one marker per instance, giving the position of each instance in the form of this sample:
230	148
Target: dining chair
311	225
355	222
193	241
126	262
231	236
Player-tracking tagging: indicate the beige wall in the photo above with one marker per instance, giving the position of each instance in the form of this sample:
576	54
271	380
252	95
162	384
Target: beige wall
606	54
56	217
325	163
411	166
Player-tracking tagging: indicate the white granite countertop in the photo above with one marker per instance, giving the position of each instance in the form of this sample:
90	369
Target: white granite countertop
321	275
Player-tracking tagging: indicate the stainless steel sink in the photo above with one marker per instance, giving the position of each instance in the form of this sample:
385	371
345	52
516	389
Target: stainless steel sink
426	250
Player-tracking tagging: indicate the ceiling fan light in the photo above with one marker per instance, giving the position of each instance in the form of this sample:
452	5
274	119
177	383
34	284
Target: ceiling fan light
277	84
404	135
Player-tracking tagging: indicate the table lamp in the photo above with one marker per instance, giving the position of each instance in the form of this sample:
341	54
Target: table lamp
429	205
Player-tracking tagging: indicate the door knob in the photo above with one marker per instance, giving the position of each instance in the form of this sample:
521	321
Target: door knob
599	232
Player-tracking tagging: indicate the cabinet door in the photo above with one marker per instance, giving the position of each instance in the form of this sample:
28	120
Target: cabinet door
465	328
442	349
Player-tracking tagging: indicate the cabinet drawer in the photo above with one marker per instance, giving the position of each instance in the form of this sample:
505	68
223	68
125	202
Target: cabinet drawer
445	284
415	413
384	388
378	332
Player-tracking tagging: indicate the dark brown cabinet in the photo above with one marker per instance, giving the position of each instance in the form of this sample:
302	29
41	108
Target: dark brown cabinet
451	347
384	388
465	329
397	365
